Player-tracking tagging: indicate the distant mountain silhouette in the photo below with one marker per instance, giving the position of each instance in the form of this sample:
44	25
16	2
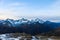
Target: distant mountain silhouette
32	27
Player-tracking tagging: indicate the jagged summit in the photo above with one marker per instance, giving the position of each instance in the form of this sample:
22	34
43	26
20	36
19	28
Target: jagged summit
12	22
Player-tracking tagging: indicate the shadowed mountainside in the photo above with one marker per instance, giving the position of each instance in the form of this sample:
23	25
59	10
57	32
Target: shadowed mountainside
27	26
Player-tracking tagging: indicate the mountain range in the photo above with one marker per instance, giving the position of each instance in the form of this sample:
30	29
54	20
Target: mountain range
33	26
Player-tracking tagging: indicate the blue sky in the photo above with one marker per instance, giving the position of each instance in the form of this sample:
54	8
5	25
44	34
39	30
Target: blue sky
29	8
